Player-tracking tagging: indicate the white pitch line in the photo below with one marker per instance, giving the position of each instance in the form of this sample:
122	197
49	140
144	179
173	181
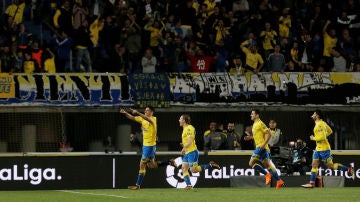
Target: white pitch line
93	194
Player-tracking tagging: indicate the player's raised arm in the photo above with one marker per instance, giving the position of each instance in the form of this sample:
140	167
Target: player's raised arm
127	114
147	118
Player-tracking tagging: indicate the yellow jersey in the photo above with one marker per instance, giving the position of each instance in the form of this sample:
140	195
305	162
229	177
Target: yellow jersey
189	132
49	65
259	130
154	36
252	59
321	131
284	27
210	6
16	11
29	66
269	39
329	43
149	130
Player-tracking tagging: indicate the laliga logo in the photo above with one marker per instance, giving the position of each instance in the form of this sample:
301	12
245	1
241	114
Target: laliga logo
174	175
34	175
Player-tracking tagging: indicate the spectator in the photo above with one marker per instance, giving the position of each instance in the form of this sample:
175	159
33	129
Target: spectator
200	62
180	56
23	37
109	36
222	56
9	29
95	29
210	5
5	58
330	41
347	44
338	61
294	55
120	60
169	52
215	140
269	38
16	11
170	23
247	142
62	18
291	67
155	33
64	43
285	48
356	67
36	53
17	59
233	138
211	21
277	138
222	32
254	61
200	34
305	51
276	61
30	65
284	24
147	10
136	139
80	13
236	67
49	61
82	42
134	45
148	62
186	15
212	128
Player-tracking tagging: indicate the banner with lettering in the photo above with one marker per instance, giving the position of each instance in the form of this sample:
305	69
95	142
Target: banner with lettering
79	89
7	85
294	88
164	90
150	89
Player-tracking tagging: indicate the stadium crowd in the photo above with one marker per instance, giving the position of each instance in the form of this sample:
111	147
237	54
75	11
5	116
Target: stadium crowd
133	36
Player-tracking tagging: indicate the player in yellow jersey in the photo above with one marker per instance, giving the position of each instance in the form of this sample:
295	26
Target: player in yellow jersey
261	154
149	129
322	151
190	151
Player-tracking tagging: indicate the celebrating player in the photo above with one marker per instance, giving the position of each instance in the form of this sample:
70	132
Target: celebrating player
261	136
322	150
149	130
190	152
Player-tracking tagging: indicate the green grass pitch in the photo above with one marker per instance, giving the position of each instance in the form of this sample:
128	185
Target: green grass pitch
287	194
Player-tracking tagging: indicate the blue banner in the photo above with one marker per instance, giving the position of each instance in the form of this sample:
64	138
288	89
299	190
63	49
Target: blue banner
150	89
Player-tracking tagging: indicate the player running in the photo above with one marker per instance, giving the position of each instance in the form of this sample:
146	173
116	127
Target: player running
323	150
149	129
261	136
190	152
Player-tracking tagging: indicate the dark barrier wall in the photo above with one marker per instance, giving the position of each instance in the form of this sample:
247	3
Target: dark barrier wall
119	171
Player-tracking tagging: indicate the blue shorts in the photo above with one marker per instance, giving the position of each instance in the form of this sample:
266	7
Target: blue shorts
148	153
261	155
322	155
192	158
